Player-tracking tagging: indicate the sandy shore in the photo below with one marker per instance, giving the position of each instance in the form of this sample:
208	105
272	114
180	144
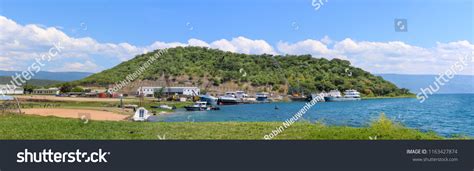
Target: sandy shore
77	113
80	99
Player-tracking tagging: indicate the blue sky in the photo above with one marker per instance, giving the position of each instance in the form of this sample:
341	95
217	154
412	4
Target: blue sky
141	23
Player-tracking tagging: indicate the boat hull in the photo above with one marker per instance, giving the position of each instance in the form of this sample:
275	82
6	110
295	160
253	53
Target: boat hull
190	108
301	99
262	99
228	101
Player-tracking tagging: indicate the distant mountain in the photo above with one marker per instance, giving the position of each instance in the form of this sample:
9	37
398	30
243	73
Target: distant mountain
58	76
459	84
35	82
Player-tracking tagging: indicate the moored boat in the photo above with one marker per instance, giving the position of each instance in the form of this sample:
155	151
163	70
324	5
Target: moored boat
198	106
349	95
228	99
209	99
261	97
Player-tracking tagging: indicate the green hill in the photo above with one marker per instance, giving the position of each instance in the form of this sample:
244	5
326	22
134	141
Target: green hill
211	68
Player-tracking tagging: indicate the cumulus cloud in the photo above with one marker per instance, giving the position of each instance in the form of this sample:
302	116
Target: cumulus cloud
244	45
78	66
21	44
387	57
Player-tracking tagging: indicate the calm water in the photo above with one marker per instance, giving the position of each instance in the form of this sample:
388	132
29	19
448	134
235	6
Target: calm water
445	114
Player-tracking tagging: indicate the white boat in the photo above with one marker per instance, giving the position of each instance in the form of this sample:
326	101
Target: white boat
352	94
228	98
209	99
166	107
240	94
198	106
201	106
261	97
141	115
349	95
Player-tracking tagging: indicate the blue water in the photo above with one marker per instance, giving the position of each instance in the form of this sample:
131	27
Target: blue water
445	114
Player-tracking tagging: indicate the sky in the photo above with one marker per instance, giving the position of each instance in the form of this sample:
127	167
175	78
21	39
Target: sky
99	34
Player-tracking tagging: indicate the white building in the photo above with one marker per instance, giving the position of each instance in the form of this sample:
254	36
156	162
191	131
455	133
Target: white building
188	91
50	91
9	89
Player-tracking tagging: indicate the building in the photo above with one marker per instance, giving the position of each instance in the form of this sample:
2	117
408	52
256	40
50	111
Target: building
187	91
49	91
9	89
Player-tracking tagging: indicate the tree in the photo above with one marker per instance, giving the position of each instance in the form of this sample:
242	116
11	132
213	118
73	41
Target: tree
66	87
77	89
158	93
28	88
301	73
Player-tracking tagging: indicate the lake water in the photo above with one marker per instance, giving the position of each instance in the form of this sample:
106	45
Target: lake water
445	114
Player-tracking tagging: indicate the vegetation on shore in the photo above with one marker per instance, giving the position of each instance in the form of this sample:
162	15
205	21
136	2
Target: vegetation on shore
27	127
289	73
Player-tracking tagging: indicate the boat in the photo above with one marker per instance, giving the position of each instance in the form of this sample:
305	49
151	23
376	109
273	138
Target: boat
198	106
163	106
228	99
141	115
349	95
261	97
209	99
240	95
298	98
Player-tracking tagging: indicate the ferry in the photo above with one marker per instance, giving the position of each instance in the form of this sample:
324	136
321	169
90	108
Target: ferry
349	95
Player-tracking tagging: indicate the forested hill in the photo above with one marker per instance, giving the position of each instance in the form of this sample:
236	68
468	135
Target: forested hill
288	74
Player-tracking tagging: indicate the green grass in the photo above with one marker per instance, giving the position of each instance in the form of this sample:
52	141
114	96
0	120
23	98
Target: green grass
27	127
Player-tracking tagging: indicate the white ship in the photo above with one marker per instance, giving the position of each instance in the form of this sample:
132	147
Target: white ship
349	95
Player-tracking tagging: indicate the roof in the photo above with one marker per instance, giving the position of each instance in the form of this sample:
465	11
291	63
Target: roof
44	89
4	86
169	87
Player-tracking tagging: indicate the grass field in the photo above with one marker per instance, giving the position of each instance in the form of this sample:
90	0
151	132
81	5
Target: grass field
14	126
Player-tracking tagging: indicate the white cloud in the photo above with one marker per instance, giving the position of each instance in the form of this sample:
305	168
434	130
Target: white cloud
20	44
244	45
308	46
387	57
78	66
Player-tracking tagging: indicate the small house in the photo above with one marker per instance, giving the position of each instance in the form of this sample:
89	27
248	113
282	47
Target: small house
11	90
49	91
